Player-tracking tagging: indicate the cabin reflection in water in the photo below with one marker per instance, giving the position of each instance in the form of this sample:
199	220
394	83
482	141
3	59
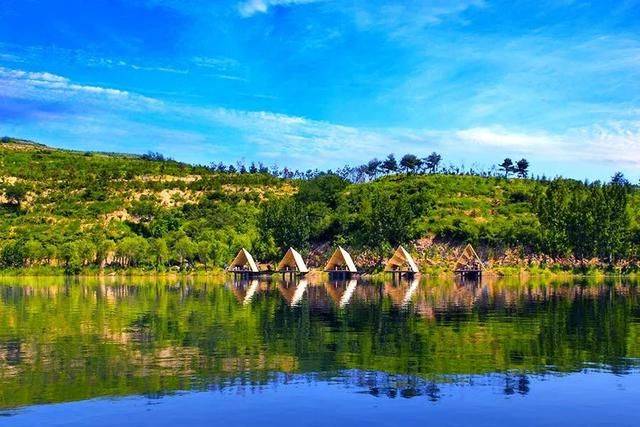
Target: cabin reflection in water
427	299
293	291
244	290
341	291
401	292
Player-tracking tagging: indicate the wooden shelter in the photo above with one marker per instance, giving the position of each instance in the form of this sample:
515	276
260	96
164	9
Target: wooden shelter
243	263
401	262
340	262
469	263
292	262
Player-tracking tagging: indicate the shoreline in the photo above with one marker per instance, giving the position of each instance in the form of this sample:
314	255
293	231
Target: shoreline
508	272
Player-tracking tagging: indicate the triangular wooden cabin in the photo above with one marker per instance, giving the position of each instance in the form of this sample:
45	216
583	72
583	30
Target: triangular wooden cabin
243	263
340	262
401	262
292	262
469	263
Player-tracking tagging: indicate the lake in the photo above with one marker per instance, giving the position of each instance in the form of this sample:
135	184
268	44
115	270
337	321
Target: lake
221	352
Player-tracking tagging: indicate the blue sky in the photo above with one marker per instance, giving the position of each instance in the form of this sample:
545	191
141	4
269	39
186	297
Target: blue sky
321	83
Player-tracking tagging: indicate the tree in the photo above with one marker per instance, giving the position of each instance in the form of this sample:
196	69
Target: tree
522	168
433	161
15	193
184	249
104	248
132	251
410	162
34	252
69	252
619	179
507	167
551	209
203	251
13	254
86	251
389	220
585	220
373	168
287	222
160	252
390	164
325	188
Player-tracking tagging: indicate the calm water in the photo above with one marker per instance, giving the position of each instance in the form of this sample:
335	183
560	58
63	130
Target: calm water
140	352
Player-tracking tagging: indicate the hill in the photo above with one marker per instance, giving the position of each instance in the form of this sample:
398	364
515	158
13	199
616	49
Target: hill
76	210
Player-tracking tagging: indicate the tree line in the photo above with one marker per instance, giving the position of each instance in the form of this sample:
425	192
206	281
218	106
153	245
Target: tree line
586	221
375	168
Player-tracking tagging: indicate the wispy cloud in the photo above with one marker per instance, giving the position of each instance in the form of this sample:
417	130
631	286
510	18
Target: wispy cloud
249	8
118	63
44	86
311	141
106	115
217	63
406	18
224	68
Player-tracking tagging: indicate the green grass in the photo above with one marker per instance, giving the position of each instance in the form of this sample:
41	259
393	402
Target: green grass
84	208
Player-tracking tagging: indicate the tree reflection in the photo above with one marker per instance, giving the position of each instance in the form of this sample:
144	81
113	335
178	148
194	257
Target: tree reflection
74	340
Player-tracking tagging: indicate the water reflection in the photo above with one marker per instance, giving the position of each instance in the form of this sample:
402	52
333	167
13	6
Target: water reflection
293	291
63	341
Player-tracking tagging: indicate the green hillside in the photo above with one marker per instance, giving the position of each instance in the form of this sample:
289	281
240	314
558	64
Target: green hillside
73	210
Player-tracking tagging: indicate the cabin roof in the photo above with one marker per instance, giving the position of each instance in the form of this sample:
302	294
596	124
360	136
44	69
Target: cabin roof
294	261
243	258
341	257
468	256
401	259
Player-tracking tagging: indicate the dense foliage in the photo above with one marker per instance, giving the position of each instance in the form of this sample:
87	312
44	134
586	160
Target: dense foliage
76	210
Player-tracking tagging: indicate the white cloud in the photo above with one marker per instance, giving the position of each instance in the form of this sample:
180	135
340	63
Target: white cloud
406	18
318	142
50	87
249	8
616	142
106	115
217	63
499	137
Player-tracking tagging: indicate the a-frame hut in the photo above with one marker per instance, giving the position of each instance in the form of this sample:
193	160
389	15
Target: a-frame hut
340	262
292	262
469	263
401	262
243	263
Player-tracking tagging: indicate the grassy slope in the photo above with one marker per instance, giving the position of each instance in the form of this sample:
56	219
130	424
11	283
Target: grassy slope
72	192
72	189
